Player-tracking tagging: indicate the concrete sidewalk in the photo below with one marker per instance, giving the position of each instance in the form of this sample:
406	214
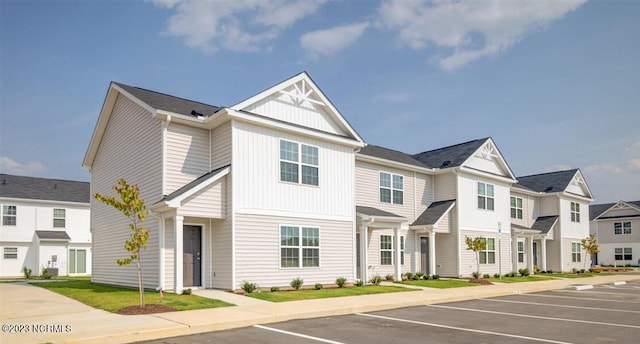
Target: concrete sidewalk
59	319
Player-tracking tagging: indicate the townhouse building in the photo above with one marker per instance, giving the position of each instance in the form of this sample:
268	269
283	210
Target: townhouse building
280	186
616	226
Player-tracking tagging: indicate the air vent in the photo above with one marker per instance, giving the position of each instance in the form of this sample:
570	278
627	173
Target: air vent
445	163
549	189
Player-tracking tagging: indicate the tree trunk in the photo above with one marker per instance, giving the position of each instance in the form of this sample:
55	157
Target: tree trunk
140	289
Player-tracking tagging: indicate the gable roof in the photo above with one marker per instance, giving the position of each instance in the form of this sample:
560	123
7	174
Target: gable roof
390	154
451	156
596	210
544	223
547	182
12	186
175	198
433	213
375	212
52	235
161	101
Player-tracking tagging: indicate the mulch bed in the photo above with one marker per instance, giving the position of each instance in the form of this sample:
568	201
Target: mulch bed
148	309
480	281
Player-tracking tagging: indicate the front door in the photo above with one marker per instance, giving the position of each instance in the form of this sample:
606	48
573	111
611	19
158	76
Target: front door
535	253
358	253
424	256
191	263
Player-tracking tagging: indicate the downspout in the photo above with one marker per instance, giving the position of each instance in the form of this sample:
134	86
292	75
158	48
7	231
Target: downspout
165	126
459	262
161	249
414	196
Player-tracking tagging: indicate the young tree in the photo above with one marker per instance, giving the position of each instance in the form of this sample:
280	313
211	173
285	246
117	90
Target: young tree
134	209
590	246
476	245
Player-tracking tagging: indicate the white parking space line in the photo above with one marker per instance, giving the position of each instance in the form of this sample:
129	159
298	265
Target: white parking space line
563	306
578	298
297	334
591	292
464	329
533	316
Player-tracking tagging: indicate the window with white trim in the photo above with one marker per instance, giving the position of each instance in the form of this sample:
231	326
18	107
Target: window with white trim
485	196
59	219
488	256
10	253
299	247
9	215
77	261
575	252
516	207
391	188
401	250
520	252
386	250
298	163
623	253
622	227
575	212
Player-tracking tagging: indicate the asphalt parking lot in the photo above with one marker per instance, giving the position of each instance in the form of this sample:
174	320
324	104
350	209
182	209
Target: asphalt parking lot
604	314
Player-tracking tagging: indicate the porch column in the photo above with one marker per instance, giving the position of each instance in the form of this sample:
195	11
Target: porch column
543	254
529	245
432	252
514	253
364	260
177	260
398	272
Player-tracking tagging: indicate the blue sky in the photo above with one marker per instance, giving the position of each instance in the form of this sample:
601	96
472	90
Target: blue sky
555	83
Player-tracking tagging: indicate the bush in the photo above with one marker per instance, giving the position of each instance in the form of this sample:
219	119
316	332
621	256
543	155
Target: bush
409	275
496	275
296	283
510	274
574	270
341	281
375	280
27	272
487	276
389	277
359	283
435	276
274	289
249	287
418	276
475	275
549	271
46	274
581	271
318	286
186	291
524	272
428	277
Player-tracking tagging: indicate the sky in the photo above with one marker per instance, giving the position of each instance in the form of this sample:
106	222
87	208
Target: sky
556	84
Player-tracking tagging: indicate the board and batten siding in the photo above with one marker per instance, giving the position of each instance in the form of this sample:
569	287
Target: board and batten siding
482	164
256	169
257	241
281	107
471	217
187	155
570	228
130	148
417	190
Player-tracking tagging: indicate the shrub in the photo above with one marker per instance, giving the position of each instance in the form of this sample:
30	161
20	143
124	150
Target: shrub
418	276
510	274
549	271
496	275
27	272
249	287
524	272
186	291
274	289
341	281
296	283
486	276
409	275
475	275
581	271
375	280
318	286
389	277
574	270
436	276
359	283
428	277
46	274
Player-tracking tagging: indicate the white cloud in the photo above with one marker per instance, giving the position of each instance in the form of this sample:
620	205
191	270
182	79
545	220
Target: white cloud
330	41
613	181
469	30
242	25
10	166
557	167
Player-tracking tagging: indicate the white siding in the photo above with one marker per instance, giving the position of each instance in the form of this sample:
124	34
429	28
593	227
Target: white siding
606	256
574	229
411	252
130	149
258	251
208	203
187	155
468	263
481	219
26	257
488	165
445	187
221	146
530	209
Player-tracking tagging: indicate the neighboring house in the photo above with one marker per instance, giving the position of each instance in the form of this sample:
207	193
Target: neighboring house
45	223
281	186
549	213
617	227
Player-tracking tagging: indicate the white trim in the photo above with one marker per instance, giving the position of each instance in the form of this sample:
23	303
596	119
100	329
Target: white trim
177	202
300	215
391	187
394	164
17	201
298	162
300	247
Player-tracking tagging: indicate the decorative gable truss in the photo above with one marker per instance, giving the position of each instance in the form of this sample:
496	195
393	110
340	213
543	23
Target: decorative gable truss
620	210
299	101
578	186
487	158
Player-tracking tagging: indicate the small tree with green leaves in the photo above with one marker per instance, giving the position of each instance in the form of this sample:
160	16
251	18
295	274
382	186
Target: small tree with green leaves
476	245
590	246
133	208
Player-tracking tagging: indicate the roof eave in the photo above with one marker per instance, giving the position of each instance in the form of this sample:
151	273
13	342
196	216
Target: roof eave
393	163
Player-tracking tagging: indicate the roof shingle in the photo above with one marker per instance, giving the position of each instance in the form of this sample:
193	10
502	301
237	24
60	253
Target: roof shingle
44	189
161	101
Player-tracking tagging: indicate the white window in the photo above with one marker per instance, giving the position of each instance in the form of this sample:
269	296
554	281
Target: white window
623	253
485	196
298	163
488	256
520	252
386	250
575	252
59	218
391	188
516	207
575	212
10	253
77	261
401	250
622	227
9	213
299	247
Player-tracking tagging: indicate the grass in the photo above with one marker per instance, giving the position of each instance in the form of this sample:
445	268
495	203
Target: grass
518	279
38	278
284	296
111	298
440	283
572	275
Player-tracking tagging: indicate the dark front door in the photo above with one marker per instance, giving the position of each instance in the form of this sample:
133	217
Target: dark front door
358	254
535	253
424	256
191	249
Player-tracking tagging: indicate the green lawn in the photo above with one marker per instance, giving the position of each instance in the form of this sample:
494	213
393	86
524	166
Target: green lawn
308	294
520	279
440	283
112	298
